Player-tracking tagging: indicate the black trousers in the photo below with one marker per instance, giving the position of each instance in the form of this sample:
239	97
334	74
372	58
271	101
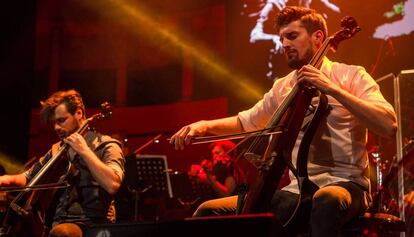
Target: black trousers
332	206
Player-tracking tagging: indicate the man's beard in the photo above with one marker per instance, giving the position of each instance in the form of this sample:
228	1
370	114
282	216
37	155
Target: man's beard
68	133
297	63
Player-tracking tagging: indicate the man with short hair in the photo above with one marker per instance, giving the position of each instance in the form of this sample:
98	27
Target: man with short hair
337	160
97	167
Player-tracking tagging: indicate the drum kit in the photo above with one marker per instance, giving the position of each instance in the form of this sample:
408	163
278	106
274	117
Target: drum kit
384	169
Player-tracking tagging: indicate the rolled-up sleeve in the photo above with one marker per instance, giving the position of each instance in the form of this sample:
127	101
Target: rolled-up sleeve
258	116
113	158
365	87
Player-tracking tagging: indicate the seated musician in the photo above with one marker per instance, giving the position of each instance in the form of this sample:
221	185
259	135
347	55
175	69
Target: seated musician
97	167
337	160
219	171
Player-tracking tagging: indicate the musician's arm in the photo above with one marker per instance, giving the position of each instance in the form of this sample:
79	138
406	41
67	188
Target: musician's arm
13	180
376	118
223	190
217	126
23	178
223	126
107	177
365	102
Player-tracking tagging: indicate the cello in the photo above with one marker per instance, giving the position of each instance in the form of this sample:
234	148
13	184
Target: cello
265	171
36	202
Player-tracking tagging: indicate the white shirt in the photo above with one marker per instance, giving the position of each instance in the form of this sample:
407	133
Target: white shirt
337	152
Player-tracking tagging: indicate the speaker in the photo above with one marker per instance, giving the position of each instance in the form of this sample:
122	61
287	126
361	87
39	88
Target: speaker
263	225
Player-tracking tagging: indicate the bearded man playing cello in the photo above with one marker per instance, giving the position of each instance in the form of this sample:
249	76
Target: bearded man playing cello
337	160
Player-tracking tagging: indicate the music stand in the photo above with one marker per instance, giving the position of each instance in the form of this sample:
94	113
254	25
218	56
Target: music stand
188	190
147	172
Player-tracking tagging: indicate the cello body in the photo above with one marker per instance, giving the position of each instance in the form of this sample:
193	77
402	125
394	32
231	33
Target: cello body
270	172
261	189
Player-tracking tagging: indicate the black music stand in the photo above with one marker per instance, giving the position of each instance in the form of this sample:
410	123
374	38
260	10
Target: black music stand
147	173
188	191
